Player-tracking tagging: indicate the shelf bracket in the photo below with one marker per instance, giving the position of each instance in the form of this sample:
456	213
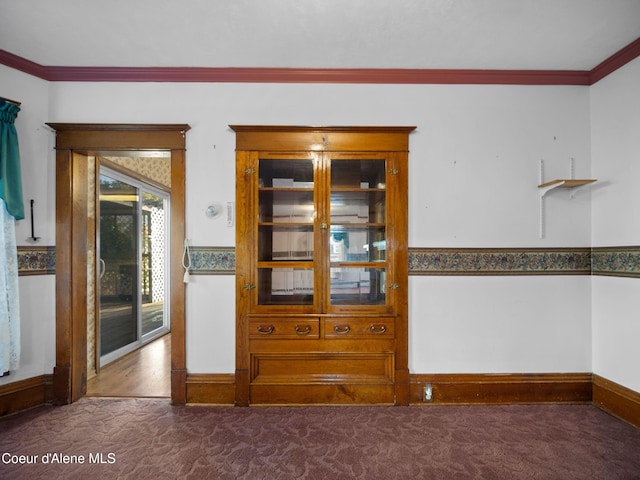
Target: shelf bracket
571	183
574	190
543	190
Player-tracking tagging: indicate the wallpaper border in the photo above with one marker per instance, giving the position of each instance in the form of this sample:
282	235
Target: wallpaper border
616	261
34	260
213	260
499	261
609	261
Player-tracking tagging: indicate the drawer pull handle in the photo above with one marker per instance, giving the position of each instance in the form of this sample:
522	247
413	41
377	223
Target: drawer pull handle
341	329
378	328
266	329
303	329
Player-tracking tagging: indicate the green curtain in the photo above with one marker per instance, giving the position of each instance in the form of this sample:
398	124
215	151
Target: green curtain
10	177
11	209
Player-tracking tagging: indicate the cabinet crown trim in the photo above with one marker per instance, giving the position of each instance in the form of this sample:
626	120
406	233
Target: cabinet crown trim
317	128
284	138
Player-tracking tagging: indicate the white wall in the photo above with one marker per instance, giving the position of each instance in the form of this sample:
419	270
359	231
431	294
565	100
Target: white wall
37	293
474	171
615	135
500	324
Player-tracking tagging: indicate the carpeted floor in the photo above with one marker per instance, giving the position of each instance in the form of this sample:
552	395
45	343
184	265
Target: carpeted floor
149	439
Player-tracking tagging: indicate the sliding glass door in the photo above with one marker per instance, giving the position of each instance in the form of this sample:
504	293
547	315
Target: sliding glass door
133	264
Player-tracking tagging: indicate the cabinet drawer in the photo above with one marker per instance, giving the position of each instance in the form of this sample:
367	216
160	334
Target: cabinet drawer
284	328
353	327
300	368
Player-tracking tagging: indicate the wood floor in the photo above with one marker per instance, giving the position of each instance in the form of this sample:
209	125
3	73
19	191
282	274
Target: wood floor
143	373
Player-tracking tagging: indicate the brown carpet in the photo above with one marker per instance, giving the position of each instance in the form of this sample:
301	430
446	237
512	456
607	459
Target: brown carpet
149	439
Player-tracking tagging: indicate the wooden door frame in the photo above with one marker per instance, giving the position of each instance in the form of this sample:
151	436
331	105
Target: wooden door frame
73	141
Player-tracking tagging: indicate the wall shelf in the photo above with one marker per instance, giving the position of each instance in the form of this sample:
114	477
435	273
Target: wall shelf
572	184
563	183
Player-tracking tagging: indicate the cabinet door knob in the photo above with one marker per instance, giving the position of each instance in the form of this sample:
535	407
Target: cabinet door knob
394	286
323	226
249	286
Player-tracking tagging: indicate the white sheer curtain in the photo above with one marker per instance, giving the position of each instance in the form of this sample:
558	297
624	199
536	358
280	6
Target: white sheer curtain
9	298
11	209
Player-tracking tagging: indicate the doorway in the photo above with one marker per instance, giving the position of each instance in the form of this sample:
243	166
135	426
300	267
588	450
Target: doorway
133	264
75	144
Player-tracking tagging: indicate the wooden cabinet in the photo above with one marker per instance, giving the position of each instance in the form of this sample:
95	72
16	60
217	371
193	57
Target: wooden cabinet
321	265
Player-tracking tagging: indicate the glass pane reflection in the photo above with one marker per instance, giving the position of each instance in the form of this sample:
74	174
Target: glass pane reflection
358	173
287	206
357	244
285	286
358	286
296	173
279	243
358	206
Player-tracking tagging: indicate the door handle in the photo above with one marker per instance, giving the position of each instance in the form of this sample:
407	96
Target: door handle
102	270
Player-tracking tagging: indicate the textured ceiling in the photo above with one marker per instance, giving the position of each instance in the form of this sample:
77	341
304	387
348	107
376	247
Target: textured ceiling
430	34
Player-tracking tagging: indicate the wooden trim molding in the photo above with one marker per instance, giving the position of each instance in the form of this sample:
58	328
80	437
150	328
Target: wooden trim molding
23	65
448	389
215	389
323	75
473	389
317	75
615	61
620	401
73	143
24	394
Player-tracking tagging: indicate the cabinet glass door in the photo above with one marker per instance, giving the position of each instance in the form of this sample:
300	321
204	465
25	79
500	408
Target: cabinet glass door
286	214
357	236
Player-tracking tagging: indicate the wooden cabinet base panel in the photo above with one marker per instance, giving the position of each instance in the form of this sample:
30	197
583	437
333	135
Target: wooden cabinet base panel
335	394
321	367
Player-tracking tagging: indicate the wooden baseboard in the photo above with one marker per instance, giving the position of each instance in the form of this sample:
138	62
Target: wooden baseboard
620	401
447	389
25	394
469	389
216	389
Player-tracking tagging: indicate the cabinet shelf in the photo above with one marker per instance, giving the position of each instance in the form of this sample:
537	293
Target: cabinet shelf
357	189
286	189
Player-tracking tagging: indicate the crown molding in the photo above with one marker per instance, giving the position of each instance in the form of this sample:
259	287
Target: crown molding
23	65
324	75
615	61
